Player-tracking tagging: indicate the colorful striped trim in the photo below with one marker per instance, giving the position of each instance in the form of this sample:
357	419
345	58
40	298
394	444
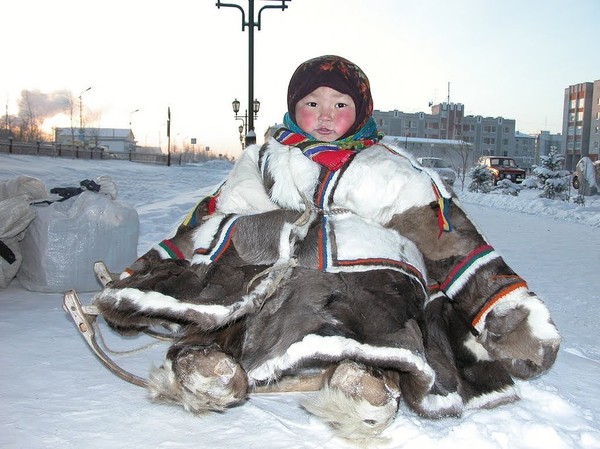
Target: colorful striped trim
443	203
287	137
216	250
477	322
328	262
466	268
171	250
211	204
383	262
322	193
323	246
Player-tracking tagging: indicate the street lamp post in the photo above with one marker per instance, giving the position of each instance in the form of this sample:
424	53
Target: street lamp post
245	130
251	23
130	114
81	131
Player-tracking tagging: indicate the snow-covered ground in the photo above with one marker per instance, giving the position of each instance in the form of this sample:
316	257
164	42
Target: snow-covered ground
55	394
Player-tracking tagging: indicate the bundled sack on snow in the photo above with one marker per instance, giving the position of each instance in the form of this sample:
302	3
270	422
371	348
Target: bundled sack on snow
67	236
15	216
587	175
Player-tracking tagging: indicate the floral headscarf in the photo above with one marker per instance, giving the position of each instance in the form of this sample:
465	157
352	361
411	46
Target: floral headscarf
339	74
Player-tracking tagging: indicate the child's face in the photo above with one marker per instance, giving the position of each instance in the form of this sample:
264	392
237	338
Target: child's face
325	114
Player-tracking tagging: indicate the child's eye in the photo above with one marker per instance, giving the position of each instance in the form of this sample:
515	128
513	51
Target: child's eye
341	105
312	104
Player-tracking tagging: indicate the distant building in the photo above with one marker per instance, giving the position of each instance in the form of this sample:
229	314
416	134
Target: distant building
487	135
524	154
112	139
544	141
581	123
270	132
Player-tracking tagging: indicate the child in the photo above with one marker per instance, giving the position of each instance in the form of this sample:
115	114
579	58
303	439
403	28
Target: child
326	250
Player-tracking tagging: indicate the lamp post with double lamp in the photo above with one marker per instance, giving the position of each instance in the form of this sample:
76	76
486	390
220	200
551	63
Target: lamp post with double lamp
81	130
251	23
246	136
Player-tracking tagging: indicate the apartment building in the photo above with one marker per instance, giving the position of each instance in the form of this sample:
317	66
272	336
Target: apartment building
487	135
544	141
581	123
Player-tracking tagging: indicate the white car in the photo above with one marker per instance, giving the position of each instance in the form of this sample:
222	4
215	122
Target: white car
443	168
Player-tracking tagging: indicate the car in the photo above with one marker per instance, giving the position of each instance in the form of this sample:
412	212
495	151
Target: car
502	167
441	166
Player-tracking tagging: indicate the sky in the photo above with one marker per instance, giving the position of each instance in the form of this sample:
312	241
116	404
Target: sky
511	59
55	394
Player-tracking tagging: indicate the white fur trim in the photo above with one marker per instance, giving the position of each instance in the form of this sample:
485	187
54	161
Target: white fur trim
476	348
215	314
538	318
494	398
435	404
293	174
379	184
147	301
318	346
359	238
203	238
460	282
203	235
161	252
432	297
244	191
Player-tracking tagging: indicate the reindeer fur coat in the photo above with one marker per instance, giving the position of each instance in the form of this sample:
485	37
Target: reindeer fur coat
291	267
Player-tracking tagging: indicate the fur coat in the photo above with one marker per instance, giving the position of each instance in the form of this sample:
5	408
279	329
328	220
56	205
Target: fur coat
291	267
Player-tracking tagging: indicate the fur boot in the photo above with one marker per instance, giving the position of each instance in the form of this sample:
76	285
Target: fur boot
199	379
358	402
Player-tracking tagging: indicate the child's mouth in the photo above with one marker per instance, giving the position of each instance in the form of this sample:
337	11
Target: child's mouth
324	131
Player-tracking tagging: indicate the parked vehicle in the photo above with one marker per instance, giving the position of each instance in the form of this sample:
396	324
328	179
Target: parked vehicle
441	166
502	167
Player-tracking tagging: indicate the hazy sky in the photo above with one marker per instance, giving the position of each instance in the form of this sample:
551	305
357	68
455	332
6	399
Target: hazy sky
504	58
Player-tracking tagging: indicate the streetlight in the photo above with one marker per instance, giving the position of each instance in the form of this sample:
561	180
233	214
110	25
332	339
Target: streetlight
251	23
130	114
81	107
250	136
81	133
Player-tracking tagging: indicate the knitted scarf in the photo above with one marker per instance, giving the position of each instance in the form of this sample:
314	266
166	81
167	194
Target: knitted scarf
332	155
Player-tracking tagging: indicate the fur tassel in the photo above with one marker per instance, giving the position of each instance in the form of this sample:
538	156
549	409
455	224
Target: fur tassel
358	403
350	418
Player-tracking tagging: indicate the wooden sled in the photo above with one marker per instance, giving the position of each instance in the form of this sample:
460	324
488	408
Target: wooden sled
84	318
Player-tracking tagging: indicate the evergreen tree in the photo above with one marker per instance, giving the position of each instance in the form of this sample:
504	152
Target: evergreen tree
551	178
481	180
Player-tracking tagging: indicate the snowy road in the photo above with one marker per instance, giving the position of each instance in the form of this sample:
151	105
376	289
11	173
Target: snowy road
55	394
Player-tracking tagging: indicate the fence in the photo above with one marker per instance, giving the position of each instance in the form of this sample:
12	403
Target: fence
75	152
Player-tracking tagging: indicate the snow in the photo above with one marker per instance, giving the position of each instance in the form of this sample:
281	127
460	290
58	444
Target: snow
55	394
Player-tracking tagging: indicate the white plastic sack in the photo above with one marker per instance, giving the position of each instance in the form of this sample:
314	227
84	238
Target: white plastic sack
66	238
15	216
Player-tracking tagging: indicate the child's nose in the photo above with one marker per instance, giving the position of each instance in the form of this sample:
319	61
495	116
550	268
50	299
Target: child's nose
325	114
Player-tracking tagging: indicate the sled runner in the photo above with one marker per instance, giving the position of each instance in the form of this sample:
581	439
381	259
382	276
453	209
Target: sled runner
85	320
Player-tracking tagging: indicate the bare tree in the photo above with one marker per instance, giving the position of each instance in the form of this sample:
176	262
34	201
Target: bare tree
464	151
30	123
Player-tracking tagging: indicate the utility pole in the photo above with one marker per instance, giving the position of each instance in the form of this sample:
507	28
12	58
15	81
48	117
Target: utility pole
169	136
